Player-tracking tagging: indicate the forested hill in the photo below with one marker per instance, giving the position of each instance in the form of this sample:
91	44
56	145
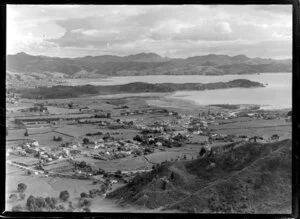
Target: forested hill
136	87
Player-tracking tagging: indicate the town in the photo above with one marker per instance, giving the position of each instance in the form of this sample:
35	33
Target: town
110	141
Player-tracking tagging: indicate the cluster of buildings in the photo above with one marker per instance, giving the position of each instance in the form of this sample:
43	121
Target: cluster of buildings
12	98
146	111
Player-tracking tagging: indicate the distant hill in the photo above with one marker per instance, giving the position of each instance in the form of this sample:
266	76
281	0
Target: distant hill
135	87
252	178
145	64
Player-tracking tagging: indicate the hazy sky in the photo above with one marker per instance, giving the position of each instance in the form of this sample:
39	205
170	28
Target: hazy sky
174	31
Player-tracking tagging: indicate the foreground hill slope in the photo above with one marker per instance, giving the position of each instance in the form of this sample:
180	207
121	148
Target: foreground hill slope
144	64
252	178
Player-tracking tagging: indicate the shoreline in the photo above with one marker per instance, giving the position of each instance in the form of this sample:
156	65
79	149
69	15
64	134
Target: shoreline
110	78
166	100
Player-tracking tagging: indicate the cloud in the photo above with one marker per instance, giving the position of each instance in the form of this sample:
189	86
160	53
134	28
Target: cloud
181	31
223	27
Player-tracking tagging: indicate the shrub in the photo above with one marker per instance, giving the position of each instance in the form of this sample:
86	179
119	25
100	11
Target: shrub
21	187
16	208
64	195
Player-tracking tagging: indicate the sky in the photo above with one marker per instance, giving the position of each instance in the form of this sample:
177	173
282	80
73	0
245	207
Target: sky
176	31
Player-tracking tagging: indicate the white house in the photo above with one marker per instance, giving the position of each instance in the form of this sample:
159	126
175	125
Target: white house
35	144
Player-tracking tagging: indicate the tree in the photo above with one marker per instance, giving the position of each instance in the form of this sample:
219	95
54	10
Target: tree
119	172
138	138
51	202
40	202
71	208
275	137
60	208
26	133
103	188
108	115
86	210
82	164
13	197
84	195
86	141
22	195
21	187
202	152
64	195
94	193
30	203
35	204
83	202
164	185
172	177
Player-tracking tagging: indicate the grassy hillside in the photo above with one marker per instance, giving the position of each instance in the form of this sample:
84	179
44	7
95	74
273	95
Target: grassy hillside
253	178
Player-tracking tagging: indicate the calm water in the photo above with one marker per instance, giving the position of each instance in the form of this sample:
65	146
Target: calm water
276	94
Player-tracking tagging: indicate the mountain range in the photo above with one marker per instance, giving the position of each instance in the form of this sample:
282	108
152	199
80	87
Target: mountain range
144	64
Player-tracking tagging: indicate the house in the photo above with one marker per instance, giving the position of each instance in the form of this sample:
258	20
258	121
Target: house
159	144
35	144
